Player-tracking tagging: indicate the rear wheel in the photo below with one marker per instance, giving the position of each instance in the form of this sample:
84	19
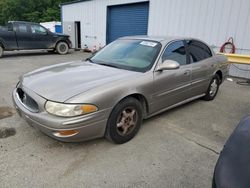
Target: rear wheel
124	121
1	51
62	48
213	88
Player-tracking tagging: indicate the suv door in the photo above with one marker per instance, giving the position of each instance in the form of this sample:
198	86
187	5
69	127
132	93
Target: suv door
41	37
23	36
201	59
172	86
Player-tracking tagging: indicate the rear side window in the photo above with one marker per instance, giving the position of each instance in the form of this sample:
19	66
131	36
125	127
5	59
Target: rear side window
198	51
22	28
176	51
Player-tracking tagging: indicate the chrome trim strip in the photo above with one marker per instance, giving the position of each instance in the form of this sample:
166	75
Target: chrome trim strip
200	80
173	90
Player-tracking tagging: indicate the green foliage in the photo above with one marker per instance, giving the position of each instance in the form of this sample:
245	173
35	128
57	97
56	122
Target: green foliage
30	10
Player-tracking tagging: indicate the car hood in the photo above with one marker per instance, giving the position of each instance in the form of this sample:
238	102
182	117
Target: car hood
64	81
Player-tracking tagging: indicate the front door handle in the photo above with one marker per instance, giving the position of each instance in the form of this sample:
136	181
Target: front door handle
187	72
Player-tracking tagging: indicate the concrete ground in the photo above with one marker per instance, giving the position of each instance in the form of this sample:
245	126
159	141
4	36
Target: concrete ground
178	148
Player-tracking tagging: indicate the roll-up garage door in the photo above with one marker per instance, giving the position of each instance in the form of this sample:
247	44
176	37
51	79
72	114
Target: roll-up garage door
127	20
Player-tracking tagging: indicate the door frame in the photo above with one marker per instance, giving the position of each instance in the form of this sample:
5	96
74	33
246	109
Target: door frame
78	38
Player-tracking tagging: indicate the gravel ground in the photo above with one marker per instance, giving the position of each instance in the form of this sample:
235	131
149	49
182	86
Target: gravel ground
178	148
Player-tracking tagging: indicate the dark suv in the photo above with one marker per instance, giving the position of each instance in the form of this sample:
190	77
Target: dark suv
19	35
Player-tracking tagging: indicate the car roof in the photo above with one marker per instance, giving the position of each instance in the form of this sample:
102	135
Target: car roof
162	39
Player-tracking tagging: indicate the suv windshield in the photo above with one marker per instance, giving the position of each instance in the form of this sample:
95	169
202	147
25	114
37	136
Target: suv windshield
135	55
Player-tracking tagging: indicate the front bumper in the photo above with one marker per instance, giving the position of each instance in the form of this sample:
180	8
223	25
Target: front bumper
87	127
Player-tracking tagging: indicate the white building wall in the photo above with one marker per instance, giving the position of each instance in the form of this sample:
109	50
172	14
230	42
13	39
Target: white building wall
93	17
213	21
50	25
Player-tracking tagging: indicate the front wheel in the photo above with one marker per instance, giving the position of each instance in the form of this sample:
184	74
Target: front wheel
213	88
124	121
1	51
62	48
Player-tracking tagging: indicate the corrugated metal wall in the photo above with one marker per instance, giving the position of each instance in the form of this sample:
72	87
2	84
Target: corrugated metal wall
213	21
93	17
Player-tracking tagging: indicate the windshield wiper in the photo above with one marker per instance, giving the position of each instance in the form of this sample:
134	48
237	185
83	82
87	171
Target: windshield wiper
89	59
108	65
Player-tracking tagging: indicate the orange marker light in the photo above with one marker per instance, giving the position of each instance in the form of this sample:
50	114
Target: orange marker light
89	108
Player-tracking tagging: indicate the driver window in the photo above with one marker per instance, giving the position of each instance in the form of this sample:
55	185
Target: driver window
175	51
37	29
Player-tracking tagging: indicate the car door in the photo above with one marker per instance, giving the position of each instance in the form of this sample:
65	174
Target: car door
23	36
201	59
172	86
41	37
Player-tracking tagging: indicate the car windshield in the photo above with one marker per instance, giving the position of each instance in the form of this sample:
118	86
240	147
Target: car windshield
134	55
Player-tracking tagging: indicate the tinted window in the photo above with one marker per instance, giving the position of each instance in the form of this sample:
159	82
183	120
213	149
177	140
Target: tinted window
10	27
135	55
198	51
22	28
176	52
37	29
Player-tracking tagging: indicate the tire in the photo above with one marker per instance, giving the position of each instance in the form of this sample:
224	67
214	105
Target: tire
125	121
62	48
213	88
1	51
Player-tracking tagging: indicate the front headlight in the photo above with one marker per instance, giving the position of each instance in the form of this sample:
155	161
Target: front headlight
69	110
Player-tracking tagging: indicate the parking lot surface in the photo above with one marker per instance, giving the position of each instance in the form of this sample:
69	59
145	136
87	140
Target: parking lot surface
177	148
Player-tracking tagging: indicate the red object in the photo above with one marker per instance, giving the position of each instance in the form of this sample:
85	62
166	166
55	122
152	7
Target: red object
230	42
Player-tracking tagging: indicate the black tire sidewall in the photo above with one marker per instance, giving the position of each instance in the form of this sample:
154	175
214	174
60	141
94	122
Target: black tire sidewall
111	130
208	97
58	48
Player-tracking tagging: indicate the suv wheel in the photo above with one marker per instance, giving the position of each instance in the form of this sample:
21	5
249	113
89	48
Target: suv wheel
62	48
213	88
124	121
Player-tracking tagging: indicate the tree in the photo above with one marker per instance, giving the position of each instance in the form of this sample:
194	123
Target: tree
30	10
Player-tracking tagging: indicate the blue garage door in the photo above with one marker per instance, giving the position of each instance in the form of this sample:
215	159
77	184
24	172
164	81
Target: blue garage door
127	20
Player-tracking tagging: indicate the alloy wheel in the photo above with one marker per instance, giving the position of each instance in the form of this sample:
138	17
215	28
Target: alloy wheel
213	88
126	121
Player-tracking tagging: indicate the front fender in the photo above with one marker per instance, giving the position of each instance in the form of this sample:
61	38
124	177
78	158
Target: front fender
109	95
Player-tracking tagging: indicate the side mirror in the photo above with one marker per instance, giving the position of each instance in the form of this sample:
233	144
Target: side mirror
168	65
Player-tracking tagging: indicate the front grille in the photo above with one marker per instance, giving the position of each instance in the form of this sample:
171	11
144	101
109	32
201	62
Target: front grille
27	101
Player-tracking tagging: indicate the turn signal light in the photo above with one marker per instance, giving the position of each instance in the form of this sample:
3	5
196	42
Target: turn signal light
66	133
